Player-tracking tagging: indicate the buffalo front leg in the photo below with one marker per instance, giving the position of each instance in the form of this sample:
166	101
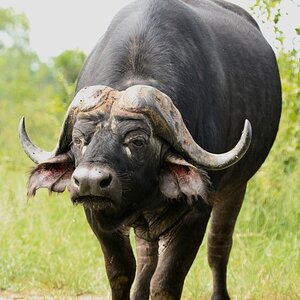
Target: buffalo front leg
177	251
119	258
223	218
147	256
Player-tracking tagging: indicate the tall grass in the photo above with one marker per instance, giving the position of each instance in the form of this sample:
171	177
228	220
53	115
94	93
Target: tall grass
47	247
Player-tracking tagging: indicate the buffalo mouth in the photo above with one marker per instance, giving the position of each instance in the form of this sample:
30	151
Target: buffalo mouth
94	202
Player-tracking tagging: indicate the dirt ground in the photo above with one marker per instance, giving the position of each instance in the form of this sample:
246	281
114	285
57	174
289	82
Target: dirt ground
14	296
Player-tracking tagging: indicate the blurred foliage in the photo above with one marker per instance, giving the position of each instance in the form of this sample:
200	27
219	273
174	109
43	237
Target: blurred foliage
267	232
66	67
266	7
14	29
24	76
270	11
289	65
69	64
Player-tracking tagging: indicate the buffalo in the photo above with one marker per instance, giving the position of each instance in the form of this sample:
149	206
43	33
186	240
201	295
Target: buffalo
175	109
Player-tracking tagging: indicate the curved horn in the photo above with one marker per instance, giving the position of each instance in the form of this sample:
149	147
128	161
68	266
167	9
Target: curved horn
169	124
36	154
85	100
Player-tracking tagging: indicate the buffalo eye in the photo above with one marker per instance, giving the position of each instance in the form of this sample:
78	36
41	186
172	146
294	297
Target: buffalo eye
77	141
135	140
139	143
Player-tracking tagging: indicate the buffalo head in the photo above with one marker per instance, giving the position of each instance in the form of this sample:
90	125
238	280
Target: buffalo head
122	152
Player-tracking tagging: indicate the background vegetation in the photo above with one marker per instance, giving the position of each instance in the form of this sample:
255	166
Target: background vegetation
46	246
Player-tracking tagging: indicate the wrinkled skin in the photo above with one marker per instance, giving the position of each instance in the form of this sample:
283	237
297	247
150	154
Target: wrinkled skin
129	148
129	169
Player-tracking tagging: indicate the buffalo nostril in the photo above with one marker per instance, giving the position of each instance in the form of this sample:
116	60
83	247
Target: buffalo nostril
104	183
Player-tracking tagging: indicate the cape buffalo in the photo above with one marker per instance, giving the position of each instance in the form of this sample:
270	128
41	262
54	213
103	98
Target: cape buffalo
167	80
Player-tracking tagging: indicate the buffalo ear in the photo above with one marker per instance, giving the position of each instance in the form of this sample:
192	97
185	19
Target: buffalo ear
182	180
54	174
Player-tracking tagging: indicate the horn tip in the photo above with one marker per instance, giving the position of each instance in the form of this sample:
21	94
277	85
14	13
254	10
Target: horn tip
21	127
248	130
22	120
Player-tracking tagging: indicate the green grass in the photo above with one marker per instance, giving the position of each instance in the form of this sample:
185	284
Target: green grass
47	247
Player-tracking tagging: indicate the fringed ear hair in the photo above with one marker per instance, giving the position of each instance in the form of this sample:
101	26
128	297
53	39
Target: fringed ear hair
183	181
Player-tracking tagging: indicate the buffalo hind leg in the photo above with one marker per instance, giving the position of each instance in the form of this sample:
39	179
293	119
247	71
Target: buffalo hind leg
119	258
223	218
147	255
177	251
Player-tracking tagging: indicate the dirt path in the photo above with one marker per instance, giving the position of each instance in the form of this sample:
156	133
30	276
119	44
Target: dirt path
15	296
